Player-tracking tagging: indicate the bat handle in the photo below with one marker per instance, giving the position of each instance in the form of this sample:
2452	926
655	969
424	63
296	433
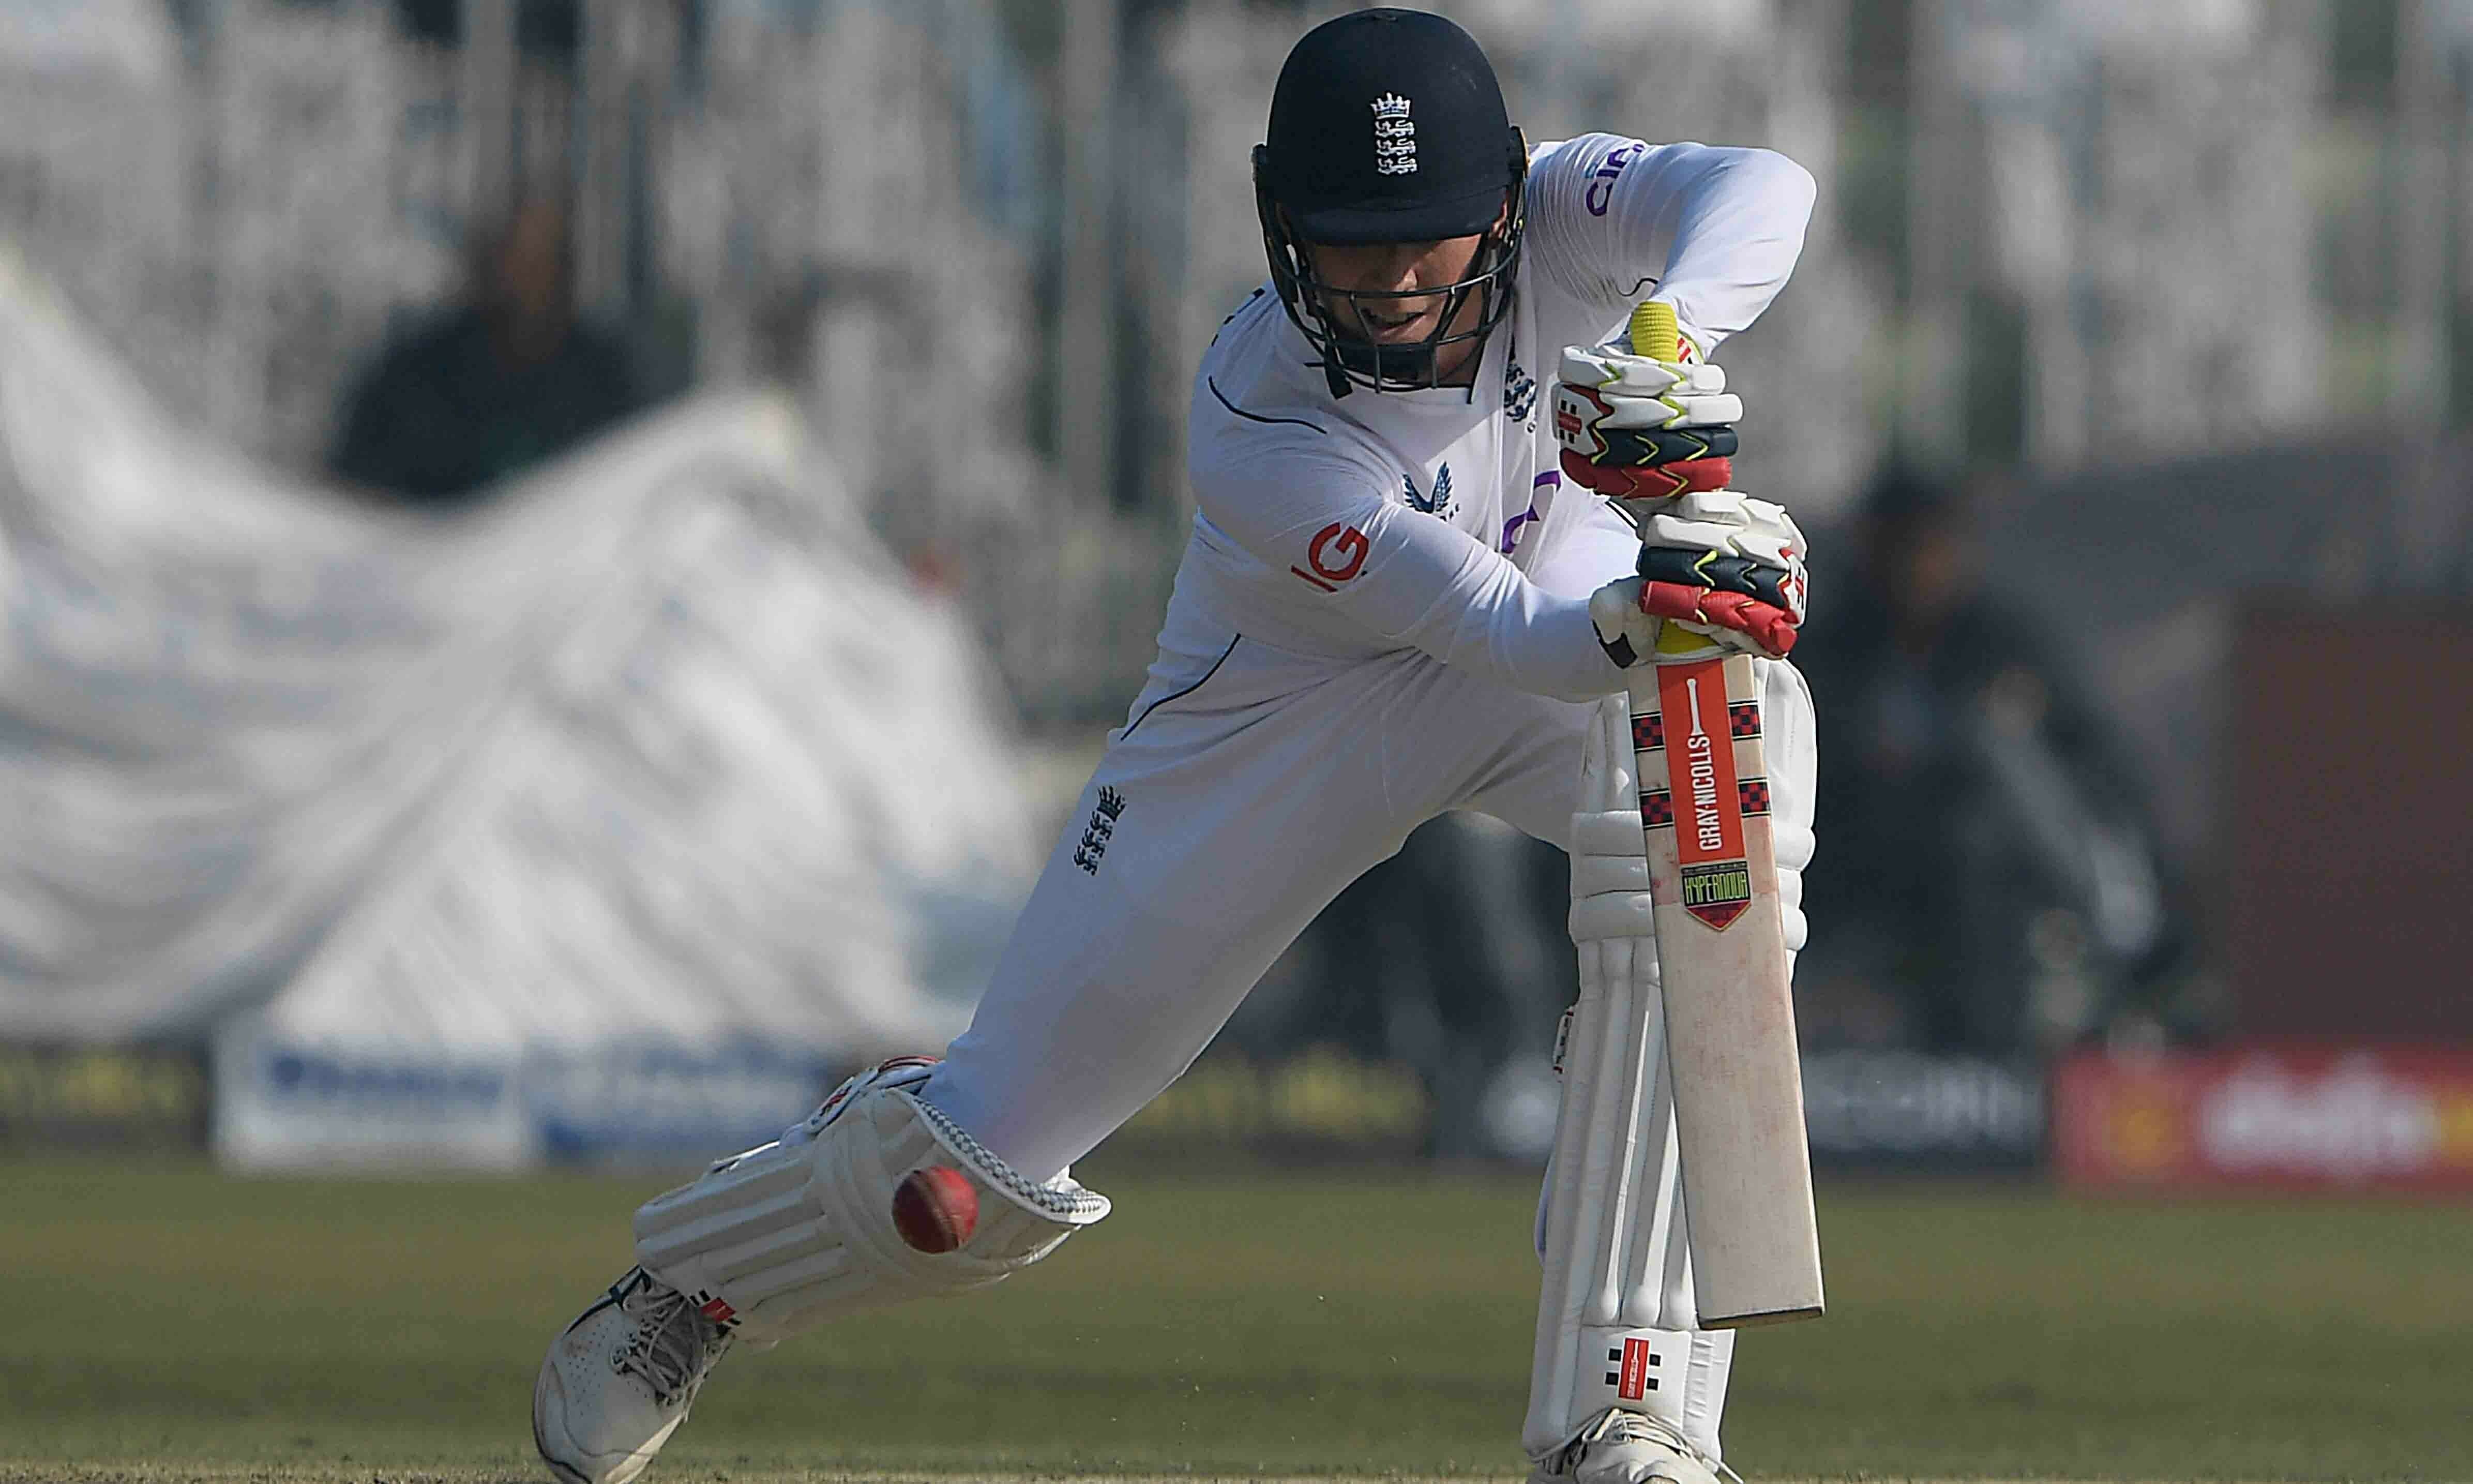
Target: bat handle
1655	332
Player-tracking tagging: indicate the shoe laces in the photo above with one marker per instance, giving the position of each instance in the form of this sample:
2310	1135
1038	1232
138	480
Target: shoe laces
1621	1424
672	1347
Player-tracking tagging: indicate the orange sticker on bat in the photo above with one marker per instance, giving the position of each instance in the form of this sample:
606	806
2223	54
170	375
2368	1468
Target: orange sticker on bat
1717	879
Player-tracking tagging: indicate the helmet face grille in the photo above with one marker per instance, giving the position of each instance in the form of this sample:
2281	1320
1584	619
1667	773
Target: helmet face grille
1351	360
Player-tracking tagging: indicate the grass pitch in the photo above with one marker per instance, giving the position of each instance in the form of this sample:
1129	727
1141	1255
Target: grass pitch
165	1321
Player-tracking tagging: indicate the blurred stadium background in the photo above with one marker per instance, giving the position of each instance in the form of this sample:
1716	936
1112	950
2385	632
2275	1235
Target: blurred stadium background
604	814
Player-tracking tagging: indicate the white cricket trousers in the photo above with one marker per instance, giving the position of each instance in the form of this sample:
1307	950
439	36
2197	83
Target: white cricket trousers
1252	785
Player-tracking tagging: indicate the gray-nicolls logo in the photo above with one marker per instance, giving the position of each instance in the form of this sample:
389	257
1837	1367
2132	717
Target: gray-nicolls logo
1102	827
1395	137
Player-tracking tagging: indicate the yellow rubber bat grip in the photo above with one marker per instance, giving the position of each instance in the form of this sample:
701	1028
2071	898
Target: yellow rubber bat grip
1654	333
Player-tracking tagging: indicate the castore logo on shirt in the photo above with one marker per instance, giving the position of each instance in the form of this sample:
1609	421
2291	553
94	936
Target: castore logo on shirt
1441	503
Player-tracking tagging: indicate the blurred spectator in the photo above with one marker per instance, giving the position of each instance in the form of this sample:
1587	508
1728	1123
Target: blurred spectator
508	377
1988	878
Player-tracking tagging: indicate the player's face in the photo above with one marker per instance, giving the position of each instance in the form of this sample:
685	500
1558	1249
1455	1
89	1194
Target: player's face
1402	267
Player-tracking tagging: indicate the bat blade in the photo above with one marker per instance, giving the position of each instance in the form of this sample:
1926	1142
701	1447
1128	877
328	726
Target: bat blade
1754	1237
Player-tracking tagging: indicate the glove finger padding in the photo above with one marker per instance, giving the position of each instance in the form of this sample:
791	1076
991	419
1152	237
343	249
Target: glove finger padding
1720	573
1613	369
1579	409
1649	481
1667	445
1632	615
1719	615
1731	523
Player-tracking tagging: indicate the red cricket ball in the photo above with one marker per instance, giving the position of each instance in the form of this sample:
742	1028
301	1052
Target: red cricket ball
934	1208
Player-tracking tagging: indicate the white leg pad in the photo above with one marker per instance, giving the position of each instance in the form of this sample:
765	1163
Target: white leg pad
793	1234
1616	1321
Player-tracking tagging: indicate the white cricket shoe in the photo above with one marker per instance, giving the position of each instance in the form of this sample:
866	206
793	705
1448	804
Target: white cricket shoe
619	1380
1628	1448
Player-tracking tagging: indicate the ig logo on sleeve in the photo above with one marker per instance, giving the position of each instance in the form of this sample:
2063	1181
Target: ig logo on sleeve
1337	554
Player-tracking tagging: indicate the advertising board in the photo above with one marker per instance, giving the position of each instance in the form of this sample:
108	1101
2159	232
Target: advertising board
285	1101
2266	1115
1920	1112
123	1098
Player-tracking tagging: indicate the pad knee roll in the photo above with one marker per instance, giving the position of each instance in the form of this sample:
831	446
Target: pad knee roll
804	1230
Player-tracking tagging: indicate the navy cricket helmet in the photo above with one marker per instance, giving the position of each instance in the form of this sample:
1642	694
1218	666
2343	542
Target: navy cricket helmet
1388	125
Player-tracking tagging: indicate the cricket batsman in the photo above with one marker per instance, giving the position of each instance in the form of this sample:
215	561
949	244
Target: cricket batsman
1408	591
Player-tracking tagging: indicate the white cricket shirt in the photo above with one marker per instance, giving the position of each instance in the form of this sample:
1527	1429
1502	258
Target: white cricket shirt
1437	519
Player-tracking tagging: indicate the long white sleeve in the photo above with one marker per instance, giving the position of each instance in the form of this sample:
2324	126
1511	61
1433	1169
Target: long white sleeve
1714	232
1340	546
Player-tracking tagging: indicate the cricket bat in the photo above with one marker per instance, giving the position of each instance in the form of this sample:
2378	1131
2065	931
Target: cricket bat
1731	1056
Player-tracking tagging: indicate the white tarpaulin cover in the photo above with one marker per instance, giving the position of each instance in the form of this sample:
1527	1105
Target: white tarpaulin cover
616	812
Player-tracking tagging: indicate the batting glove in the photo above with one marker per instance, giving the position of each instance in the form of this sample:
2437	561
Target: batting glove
1719	572
1633	427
